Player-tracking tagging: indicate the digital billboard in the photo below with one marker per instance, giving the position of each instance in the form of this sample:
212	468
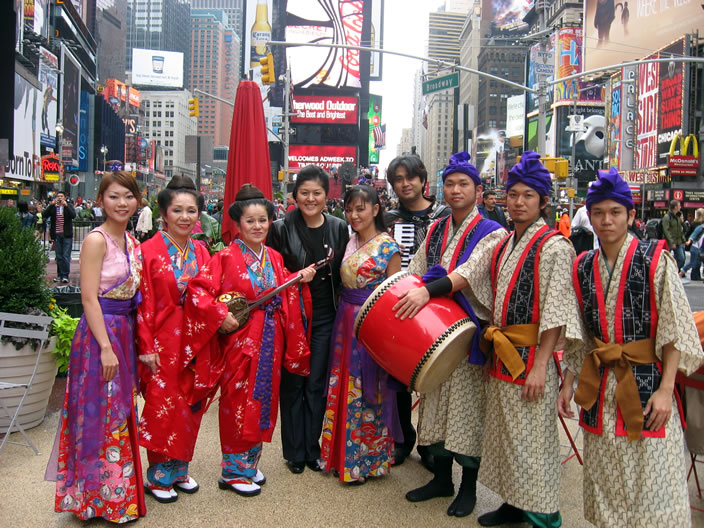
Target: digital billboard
569	62
157	68
374	117
324	156
616	33
24	162
71	93
49	77
647	121
324	109
672	99
506	14
324	21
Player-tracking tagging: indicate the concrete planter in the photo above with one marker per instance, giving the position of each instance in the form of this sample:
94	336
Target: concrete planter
16	366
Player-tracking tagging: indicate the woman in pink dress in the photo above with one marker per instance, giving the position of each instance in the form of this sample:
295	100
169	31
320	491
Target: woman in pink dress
98	473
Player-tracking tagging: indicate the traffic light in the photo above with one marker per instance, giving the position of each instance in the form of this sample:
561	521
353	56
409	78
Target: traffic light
268	75
73	180
193	107
558	166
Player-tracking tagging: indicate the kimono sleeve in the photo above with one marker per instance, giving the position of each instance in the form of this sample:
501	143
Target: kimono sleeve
297	352
146	312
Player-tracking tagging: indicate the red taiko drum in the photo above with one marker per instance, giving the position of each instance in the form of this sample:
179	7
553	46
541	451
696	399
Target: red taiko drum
423	351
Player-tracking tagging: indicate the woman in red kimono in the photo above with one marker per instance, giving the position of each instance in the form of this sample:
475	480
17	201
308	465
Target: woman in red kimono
169	424
246	364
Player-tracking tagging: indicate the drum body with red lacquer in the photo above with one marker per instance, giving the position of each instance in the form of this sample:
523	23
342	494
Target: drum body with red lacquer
421	352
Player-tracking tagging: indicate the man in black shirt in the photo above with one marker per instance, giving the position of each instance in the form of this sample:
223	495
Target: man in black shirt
408	225
490	210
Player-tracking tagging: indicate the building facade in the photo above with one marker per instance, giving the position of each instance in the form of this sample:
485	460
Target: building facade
502	59
167	123
215	52
159	25
232	8
111	31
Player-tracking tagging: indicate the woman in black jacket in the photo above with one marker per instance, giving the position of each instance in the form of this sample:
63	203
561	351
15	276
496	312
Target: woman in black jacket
303	237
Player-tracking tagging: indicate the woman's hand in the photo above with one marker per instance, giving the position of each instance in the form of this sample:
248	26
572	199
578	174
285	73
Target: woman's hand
307	274
109	361
230	324
151	360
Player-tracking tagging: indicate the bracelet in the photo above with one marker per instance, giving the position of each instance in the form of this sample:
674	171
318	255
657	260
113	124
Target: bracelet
439	287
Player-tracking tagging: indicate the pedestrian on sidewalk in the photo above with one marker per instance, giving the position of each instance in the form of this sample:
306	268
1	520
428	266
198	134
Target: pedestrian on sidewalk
246	364
98	471
61	213
144	222
695	243
639	333
169	424
673	231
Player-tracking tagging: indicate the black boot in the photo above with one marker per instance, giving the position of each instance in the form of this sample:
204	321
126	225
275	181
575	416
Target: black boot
505	514
441	484
466	498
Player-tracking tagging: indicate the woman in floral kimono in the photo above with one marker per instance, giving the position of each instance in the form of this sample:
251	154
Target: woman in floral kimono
98	473
246	362
168	425
357	430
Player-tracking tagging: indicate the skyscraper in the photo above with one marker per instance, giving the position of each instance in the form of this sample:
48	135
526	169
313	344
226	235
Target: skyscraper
215	51
160	25
443	43
111	27
232	8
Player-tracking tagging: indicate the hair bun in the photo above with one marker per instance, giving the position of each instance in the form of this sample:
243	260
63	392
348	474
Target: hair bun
181	182
249	192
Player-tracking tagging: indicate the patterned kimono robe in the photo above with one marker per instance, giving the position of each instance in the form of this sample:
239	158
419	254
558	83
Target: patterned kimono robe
641	482
245	365
521	452
168	424
454	412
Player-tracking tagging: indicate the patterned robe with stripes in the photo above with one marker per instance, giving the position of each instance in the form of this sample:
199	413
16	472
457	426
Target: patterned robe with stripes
642	482
521	451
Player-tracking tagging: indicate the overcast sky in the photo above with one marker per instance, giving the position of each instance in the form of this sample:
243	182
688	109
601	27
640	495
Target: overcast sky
405	30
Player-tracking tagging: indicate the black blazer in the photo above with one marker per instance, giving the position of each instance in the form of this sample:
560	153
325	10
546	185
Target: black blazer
284	238
69	215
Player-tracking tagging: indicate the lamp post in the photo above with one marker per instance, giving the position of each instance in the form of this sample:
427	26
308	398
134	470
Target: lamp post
60	143
104	152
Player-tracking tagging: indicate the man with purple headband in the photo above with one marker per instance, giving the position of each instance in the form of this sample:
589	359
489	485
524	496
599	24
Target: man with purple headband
639	331
455	258
534	309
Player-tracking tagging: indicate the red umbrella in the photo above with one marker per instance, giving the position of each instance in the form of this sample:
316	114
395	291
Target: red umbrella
248	160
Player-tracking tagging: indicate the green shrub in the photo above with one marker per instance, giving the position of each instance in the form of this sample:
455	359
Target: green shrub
23	286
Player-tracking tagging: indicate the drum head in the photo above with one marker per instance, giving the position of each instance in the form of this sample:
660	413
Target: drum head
442	358
374	297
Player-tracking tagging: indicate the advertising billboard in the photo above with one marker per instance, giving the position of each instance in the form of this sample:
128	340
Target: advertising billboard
374	117
647	121
515	115
569	62
71	93
376	60
613	121
125	101
324	156
325	109
49	77
24	162
157	68
83	136
589	143
36	16
506	14
540	63
672	99
324	21
617	34
257	31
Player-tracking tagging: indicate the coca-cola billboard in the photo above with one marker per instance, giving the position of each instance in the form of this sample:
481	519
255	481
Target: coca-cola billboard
323	109
326	156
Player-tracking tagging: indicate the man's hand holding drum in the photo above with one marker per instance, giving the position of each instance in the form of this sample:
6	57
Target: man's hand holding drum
410	302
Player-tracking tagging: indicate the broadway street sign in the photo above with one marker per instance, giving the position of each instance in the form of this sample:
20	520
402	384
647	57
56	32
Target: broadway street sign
441	83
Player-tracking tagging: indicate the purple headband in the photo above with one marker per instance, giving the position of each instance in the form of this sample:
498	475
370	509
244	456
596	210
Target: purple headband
531	172
610	186
459	162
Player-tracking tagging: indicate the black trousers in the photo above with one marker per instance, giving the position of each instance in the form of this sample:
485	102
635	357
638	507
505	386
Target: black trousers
302	399
404	403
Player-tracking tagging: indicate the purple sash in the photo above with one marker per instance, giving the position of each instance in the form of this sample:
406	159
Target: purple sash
119	306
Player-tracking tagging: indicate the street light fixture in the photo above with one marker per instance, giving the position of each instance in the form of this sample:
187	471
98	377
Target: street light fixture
104	152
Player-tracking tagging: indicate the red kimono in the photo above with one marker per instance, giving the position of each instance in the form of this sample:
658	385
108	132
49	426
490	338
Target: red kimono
169	424
249	388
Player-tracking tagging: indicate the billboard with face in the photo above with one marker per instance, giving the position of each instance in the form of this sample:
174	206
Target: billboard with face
24	163
49	77
324	21
619	31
